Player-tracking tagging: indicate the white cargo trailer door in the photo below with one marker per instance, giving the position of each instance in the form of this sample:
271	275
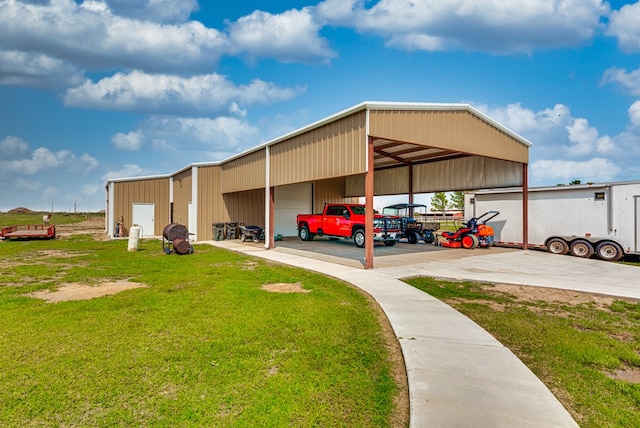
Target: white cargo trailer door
637	225
144	216
290	201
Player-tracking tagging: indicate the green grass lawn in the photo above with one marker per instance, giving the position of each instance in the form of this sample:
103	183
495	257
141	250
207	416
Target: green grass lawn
579	350
202	345
7	219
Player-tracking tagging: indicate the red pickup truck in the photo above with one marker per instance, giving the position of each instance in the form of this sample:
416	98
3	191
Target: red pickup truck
347	221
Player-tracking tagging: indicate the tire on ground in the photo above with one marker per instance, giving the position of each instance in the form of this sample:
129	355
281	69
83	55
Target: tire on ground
557	246
304	233
581	248
470	241
609	251
358	238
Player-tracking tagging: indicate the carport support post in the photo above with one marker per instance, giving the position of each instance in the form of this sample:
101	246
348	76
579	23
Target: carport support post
270	235
525	207
368	202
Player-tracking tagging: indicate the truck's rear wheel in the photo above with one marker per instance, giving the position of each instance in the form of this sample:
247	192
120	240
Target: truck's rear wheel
413	237
470	242
358	238
581	248
304	233
609	251
557	246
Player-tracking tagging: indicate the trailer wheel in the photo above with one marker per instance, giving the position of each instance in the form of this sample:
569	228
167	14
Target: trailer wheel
413	238
304	233
470	242
557	246
581	248
609	251
358	238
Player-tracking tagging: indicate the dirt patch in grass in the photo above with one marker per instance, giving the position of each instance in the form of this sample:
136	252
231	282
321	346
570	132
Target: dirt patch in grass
76	291
553	295
283	287
626	374
91	226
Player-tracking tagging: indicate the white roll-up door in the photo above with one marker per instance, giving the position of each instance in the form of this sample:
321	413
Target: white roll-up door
290	201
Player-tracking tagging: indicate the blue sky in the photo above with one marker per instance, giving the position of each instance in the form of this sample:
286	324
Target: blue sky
92	90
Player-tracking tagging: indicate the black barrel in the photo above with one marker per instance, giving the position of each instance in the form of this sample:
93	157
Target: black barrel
174	231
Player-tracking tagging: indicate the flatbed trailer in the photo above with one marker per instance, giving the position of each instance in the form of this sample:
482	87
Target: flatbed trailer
580	219
32	231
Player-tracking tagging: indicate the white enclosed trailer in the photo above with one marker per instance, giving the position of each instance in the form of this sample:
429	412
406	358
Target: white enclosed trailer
578	219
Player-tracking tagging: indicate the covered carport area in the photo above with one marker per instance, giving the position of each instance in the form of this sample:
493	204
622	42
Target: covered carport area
382	149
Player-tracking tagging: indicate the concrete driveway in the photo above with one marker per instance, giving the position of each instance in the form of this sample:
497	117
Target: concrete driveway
495	264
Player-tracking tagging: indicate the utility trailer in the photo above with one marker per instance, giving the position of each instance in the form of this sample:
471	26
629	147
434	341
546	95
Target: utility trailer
36	231
580	219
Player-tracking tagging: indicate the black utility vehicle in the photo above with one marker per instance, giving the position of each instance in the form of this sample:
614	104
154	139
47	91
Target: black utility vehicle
412	229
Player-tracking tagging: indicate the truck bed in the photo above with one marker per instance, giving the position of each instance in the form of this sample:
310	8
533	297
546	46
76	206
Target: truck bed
28	232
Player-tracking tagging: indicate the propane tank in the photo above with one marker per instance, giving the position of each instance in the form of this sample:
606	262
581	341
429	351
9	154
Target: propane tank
134	236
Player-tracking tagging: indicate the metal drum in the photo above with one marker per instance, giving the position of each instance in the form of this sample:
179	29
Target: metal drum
174	231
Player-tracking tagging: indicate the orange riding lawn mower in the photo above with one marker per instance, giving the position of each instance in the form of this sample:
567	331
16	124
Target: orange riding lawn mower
474	233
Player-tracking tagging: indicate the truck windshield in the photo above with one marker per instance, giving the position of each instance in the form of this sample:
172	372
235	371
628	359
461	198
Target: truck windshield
357	209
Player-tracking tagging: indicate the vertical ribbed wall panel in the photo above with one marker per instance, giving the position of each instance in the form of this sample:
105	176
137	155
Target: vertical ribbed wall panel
456	130
244	173
144	191
332	150
182	184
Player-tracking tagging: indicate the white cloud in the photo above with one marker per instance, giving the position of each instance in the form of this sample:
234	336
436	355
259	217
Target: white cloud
291	36
155	10
624	24
89	35
43	159
629	81
566	147
130	142
13	146
634	114
223	134
169	94
550	172
36	70
485	25
126	171
586	139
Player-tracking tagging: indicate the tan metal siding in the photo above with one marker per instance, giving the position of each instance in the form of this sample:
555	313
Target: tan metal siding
453	130
246	207
245	173
211	207
332	150
182	185
154	191
466	174
393	181
330	191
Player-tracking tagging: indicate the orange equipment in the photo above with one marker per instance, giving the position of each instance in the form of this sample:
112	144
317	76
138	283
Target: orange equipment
473	234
